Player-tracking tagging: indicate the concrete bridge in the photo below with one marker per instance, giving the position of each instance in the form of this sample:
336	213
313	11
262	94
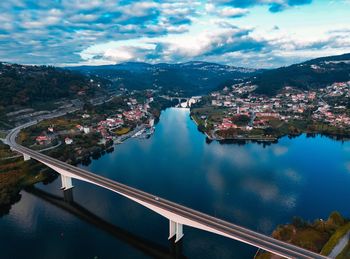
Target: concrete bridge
189	100
177	214
147	247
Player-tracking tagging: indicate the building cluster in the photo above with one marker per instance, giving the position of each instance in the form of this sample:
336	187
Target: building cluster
134	113
322	105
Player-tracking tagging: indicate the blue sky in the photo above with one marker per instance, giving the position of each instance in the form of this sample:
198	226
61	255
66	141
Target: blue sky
248	33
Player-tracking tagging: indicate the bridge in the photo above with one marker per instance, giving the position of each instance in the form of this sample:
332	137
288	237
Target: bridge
178	215
189	100
67	203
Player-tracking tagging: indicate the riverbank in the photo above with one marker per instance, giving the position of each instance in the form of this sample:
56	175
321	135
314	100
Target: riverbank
16	174
233	137
223	123
327	237
89	133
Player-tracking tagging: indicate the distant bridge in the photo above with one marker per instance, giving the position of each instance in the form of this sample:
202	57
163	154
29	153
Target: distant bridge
177	214
189	100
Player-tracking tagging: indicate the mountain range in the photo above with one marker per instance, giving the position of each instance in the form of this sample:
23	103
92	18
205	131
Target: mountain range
191	78
315	73
24	85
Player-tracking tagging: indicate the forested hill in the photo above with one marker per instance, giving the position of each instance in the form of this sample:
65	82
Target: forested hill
25	85
316	73
191	78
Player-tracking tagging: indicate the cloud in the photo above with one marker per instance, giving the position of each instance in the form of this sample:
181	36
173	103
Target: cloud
180	47
274	5
97	32
56	32
279	150
226	11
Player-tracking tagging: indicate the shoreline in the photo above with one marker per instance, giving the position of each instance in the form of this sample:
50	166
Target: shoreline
270	140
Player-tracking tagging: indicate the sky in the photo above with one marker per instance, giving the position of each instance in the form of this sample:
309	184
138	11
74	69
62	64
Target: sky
244	33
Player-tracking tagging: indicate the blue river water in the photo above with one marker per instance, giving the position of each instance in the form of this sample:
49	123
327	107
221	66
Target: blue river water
253	185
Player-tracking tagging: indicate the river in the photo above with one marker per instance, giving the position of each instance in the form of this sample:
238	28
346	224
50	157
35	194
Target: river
253	185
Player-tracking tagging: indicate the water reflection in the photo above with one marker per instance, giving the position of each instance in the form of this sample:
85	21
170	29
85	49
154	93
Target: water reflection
68	204
254	185
13	181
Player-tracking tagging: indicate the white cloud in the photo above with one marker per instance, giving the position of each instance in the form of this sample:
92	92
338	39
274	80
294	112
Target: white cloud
224	31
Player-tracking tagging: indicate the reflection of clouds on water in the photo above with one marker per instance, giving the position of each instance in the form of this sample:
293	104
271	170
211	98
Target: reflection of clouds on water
293	175
239	157
269	192
289	201
26	213
265	190
215	179
175	124
23	213
279	150
347	166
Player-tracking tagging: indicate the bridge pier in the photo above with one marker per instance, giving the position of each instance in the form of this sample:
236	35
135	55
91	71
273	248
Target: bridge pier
175	229
66	182
26	157
68	195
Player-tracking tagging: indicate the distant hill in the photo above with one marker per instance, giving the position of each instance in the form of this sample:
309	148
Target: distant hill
316	73
27	85
191	78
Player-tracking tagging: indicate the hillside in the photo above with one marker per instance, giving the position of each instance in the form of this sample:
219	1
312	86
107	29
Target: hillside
191	78
27	85
316	73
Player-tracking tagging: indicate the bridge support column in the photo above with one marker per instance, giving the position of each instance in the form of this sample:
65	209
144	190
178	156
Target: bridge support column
66	182
68	195
179	232
26	157
172	229
175	229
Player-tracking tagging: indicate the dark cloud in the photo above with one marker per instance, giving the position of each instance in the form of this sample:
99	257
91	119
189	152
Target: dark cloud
34	31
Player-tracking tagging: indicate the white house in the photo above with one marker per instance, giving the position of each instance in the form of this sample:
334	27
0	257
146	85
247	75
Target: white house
68	141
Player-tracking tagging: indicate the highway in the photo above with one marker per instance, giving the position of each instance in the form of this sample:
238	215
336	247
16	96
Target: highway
164	207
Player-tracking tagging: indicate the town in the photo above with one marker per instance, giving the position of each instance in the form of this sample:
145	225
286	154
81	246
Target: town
238	113
78	133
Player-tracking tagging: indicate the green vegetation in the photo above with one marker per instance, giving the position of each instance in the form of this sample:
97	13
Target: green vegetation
320	236
345	253
333	241
15	174
192	78
304	76
122	131
5	151
32	85
207	116
160	104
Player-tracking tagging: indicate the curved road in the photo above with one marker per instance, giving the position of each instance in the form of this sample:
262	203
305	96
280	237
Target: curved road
214	224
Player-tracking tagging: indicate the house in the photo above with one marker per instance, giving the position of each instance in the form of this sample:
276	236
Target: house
43	140
79	127
68	141
86	130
